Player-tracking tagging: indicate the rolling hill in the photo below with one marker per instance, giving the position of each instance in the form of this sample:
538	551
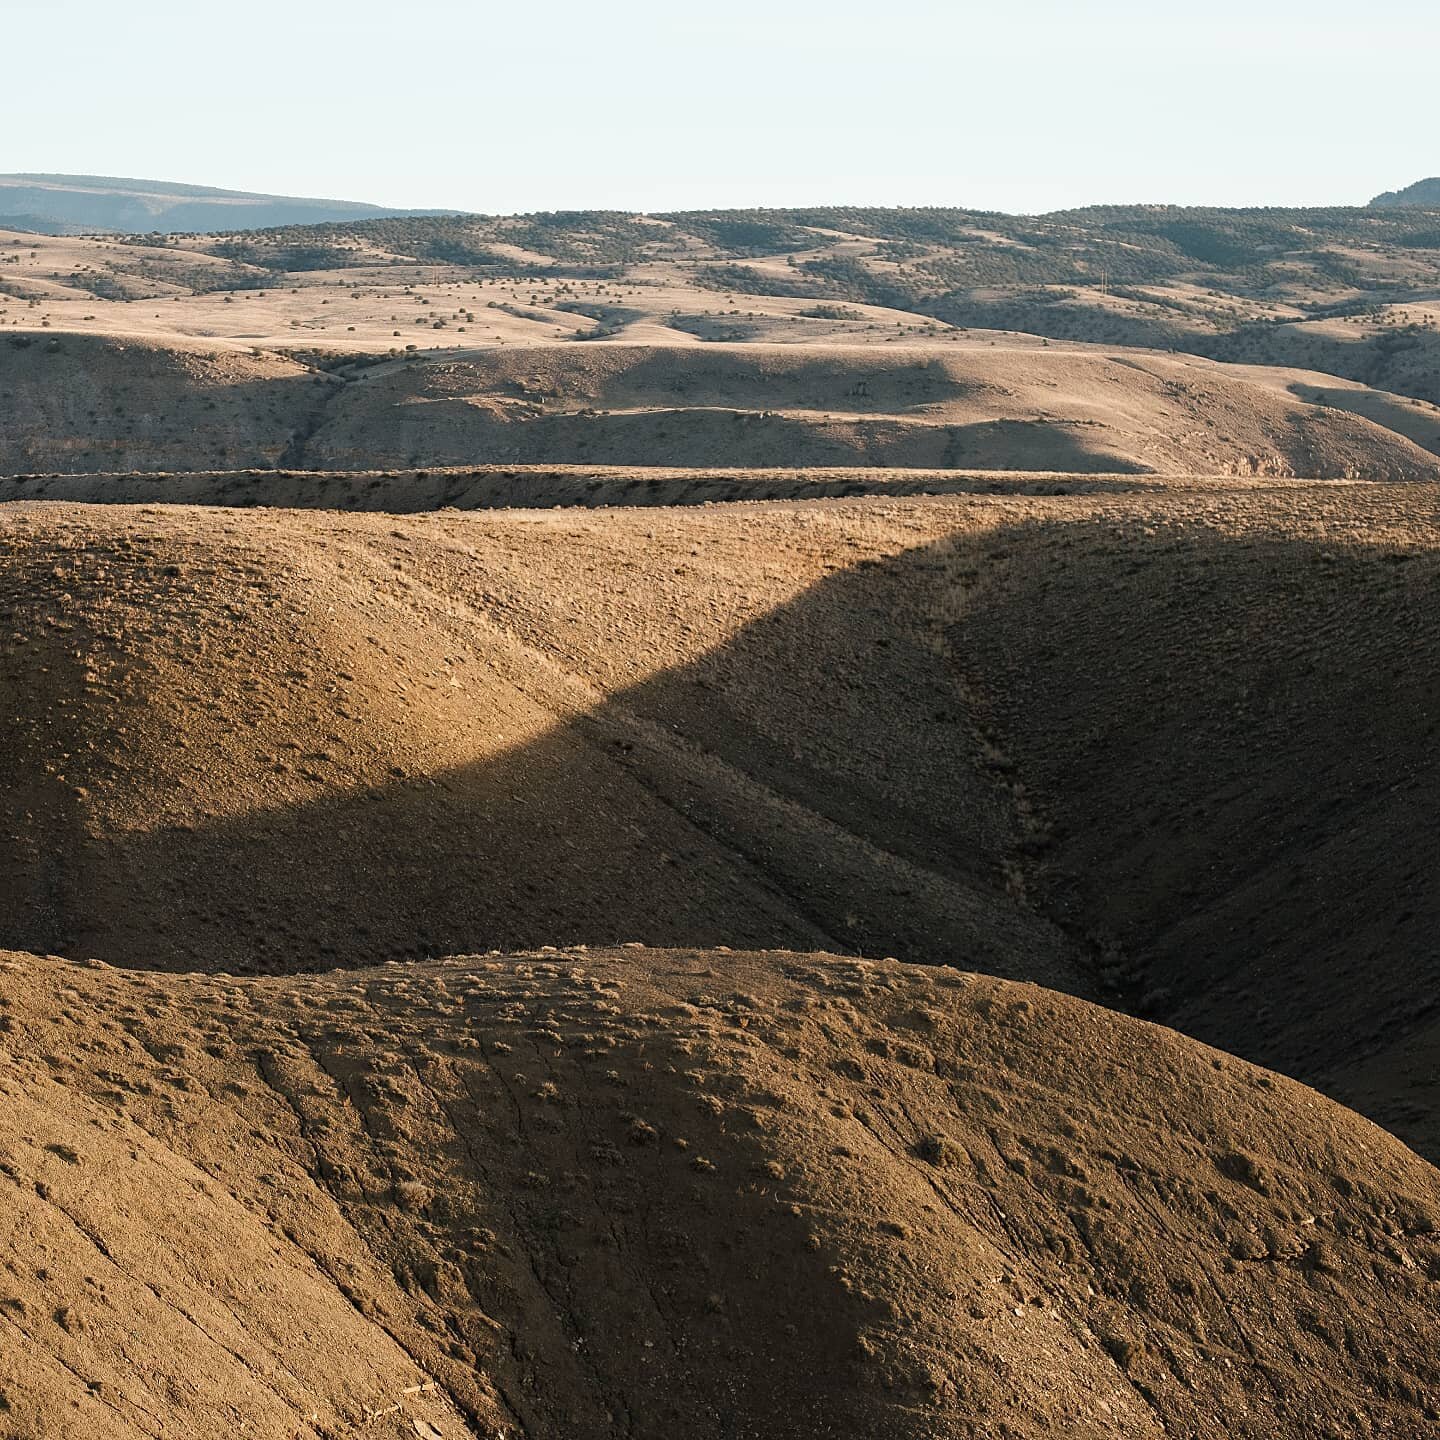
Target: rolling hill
792	823
1424	194
1172	745
1349	293
658	1193
91	204
82	404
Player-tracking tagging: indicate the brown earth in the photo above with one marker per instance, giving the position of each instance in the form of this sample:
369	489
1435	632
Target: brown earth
658	1193
81	403
1112	703
1228	717
484	730
755	405
1176	743
1171	742
539	487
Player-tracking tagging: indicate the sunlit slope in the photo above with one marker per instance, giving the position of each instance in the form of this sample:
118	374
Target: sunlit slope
1181	741
246	740
683	1193
92	405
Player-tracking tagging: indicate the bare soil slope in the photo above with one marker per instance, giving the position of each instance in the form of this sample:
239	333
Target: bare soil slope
1193	728
240	740
1228	716
768	405
77	403
650	1194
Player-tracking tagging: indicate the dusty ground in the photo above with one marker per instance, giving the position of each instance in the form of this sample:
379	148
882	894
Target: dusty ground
492	719
660	1193
1174	744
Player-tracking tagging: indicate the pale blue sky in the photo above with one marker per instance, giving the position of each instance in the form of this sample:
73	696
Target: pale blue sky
1026	105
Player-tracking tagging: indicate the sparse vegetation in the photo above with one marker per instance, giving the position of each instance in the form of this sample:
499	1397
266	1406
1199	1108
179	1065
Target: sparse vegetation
508	1036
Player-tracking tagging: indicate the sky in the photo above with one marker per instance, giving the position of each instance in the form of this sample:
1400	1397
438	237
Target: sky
652	105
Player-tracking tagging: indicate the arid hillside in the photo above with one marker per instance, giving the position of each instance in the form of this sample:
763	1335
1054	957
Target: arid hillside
786	405
1228	716
809	824
1175	745
659	1193
72	403
720	636
80	404
1348	292
251	741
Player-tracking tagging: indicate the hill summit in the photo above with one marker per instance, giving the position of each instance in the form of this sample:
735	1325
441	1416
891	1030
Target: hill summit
71	204
1422	195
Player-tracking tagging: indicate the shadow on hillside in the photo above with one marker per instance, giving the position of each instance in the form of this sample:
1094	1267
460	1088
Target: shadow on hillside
79	404
1414	420
457	433
1237	744
813	783
1228	745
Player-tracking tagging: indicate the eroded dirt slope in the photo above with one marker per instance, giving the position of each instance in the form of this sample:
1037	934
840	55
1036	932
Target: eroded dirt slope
1227	717
1194	727
679	1193
757	405
77	403
83	403
1184	740
254	740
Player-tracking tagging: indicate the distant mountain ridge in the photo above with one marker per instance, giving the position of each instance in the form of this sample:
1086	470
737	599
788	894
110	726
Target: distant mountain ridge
82	204
1423	194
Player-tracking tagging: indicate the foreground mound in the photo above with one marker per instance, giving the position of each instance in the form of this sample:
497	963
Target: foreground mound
90	405
1186	736
683	1194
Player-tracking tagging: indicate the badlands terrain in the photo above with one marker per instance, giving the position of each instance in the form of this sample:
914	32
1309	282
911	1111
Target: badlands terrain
585	850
